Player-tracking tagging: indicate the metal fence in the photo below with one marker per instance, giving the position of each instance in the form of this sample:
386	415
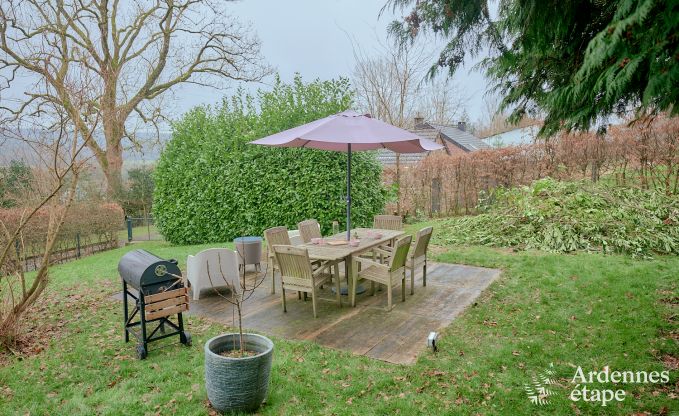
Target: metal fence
141	229
66	248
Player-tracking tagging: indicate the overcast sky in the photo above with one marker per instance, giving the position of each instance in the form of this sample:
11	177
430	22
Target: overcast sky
312	37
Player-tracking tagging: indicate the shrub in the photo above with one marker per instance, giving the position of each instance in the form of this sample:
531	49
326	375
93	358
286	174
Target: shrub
94	224
569	216
645	154
211	185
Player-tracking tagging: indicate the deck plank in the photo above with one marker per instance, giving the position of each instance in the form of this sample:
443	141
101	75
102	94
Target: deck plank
397	336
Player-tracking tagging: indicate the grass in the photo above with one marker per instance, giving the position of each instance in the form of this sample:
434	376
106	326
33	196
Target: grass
584	310
141	232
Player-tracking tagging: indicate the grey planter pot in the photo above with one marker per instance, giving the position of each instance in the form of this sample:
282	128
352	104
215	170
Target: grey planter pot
237	384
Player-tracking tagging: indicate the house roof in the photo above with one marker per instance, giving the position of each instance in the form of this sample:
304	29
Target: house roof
387	157
461	138
435	132
515	137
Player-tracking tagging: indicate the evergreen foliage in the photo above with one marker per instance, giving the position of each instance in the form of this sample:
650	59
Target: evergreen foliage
575	60
137	199
212	186
15	180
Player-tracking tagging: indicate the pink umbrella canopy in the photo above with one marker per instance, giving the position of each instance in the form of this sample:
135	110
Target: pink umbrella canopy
346	132
361	131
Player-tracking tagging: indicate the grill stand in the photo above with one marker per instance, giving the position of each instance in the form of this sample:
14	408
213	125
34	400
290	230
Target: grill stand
142	339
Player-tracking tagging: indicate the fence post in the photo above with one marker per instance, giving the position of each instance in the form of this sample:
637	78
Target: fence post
129	229
77	245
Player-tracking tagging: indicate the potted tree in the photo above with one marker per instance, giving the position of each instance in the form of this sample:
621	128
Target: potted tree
238	365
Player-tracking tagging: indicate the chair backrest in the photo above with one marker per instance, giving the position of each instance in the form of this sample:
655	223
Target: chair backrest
220	265
388	222
276	236
309	229
293	262
295	238
422	241
400	256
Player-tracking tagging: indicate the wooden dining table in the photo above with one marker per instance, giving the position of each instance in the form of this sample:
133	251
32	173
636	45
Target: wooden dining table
336	252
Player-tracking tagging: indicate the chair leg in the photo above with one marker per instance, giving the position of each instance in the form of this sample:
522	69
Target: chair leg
313	298
299	295
372	288
389	295
424	273
196	292
337	285
273	274
412	277
285	306
305	296
403	287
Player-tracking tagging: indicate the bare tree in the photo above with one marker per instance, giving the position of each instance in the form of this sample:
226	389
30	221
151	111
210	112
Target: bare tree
493	121
56	162
239	292
391	85
131	52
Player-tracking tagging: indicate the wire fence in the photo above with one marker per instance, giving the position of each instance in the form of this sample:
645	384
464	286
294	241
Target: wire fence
141	229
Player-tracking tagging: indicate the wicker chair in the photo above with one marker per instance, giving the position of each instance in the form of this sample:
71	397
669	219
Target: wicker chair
309	229
390	273
298	274
275	236
211	268
388	222
418	257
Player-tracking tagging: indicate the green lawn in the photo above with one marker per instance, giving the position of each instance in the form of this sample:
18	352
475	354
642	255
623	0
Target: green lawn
140	233
585	310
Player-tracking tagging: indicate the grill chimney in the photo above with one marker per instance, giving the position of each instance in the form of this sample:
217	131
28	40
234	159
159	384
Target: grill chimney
418	120
462	125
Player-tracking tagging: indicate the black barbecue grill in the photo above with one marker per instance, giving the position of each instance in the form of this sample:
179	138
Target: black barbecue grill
160	294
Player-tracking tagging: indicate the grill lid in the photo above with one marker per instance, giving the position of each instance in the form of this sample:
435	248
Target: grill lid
144	270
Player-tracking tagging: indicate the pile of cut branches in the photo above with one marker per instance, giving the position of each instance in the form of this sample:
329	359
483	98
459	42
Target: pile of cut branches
559	216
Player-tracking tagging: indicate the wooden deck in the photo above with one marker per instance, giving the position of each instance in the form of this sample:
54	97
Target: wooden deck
368	329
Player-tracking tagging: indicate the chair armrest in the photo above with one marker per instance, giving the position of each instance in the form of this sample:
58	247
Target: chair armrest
384	250
368	262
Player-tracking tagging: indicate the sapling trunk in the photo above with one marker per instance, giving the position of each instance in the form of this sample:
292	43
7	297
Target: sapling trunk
238	296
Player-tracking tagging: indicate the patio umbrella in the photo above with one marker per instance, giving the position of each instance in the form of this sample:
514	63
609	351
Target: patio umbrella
349	131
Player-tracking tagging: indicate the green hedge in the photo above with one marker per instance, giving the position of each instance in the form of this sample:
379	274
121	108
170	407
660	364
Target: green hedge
212	186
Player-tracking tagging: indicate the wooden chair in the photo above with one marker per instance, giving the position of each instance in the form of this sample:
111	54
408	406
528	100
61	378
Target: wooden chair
309	229
388	222
275	236
298	274
390	273
418	256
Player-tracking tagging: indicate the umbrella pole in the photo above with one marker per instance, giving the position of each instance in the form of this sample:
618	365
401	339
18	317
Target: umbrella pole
349	192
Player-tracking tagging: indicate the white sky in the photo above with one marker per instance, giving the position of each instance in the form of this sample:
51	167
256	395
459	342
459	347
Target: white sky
312	37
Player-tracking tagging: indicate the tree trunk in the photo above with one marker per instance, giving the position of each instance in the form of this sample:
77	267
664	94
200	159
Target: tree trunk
113	164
